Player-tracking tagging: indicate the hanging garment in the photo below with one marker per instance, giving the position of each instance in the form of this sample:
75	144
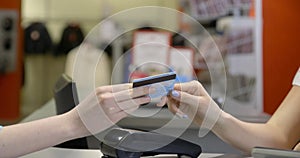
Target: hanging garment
37	39
72	37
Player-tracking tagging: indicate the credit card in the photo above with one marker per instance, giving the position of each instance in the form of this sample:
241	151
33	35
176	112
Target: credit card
163	83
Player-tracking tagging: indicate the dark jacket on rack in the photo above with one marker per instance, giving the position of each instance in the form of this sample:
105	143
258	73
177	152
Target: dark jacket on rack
72	37
37	39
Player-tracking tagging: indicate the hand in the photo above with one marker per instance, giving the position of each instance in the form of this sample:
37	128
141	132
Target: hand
192	99
109	104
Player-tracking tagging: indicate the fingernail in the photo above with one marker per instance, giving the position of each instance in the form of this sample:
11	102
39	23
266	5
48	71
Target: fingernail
183	116
175	93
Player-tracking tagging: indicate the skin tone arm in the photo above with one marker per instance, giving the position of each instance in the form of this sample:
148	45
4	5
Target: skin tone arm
20	139
113	102
281	131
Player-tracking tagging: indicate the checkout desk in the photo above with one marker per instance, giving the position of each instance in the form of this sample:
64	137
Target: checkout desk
211	145
92	153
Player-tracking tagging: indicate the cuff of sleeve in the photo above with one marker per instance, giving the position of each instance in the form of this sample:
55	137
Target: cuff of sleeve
296	81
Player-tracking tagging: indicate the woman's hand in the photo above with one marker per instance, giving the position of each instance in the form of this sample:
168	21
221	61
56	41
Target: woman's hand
107	105
192	99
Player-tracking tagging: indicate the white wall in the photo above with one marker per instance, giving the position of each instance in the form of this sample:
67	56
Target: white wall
56	13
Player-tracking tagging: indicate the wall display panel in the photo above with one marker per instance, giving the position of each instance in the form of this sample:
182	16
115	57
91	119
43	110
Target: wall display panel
236	27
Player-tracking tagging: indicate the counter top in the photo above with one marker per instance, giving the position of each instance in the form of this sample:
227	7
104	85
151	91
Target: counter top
209	143
76	153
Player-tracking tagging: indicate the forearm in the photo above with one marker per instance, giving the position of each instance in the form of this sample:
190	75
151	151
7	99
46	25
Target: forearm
245	136
28	137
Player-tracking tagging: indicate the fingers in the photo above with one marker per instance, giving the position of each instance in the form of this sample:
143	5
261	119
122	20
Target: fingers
113	88
192	87
132	93
133	103
185	98
118	116
112	107
162	102
121	87
173	107
186	86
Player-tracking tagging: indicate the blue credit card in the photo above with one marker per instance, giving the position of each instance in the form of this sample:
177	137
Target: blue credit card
163	83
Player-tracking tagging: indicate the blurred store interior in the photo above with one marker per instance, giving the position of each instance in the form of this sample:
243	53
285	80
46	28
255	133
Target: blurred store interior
244	52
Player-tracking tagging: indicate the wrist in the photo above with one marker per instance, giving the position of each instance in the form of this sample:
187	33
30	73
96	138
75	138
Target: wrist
75	127
220	125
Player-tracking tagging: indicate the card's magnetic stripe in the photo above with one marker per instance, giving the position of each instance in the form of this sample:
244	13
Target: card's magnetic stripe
154	80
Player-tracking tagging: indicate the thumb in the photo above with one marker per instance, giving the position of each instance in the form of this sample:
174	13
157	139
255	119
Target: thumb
185	98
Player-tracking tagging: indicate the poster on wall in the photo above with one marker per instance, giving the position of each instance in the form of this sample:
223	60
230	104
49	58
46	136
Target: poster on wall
241	65
239	68
181	61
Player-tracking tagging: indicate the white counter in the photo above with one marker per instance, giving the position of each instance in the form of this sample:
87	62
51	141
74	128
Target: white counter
72	153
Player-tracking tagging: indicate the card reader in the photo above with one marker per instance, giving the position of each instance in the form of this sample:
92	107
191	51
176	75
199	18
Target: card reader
126	143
